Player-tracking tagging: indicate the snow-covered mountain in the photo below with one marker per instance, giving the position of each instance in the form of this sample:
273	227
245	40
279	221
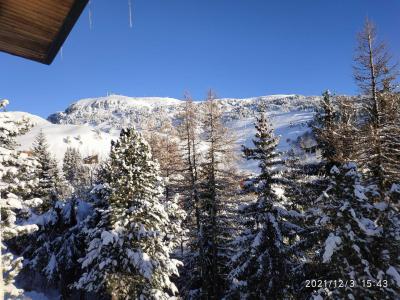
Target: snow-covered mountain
90	124
117	111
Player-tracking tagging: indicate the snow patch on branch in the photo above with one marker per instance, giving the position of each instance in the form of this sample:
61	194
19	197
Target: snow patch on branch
366	225
331	244
107	237
393	272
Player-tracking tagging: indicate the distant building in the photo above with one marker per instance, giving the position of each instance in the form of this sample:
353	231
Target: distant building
91	160
27	152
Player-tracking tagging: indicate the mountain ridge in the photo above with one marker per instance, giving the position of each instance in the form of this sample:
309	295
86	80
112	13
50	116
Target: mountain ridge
118	110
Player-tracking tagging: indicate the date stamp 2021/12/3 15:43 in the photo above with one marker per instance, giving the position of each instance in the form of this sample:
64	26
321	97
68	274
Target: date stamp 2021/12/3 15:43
339	283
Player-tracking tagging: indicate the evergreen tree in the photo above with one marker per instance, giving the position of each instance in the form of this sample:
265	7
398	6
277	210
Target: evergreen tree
75	172
46	172
10	129
386	246
323	128
58	244
263	259
10	265
12	163
3	104
177	232
129	248
351	229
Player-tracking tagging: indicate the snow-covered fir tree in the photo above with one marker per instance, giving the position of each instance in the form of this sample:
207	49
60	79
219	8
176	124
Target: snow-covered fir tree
12	163
46	172
263	259
58	244
10	129
355	245
177	232
75	172
11	265
3	104
132	234
387	245
323	126
21	178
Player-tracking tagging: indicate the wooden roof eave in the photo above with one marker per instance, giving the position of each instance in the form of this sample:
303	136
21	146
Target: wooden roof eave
37	29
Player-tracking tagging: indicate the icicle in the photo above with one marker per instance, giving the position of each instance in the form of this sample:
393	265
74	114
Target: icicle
90	15
130	13
62	53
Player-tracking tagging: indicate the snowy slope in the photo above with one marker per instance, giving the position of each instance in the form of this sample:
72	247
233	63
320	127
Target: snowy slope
91	124
85	138
88	139
19	116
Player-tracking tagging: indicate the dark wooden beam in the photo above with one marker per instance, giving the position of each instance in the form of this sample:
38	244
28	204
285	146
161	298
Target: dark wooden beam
36	29
65	29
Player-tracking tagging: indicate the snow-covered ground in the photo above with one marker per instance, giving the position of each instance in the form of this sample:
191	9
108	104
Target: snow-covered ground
87	139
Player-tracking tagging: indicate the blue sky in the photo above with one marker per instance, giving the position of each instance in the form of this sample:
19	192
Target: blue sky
240	48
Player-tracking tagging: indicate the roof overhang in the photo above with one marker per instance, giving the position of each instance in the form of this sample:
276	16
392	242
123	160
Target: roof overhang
36	29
